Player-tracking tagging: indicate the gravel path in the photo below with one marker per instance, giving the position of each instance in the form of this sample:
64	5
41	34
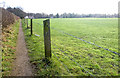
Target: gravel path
21	66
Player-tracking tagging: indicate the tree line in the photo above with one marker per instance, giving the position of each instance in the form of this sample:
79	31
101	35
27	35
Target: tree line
72	15
19	12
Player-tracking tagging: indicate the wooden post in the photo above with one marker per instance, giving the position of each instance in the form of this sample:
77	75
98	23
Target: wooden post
47	40
31	27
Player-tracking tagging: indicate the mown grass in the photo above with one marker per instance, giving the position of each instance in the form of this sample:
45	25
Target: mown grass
97	61
9	38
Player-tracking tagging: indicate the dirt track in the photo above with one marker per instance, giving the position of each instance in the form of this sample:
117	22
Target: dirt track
21	66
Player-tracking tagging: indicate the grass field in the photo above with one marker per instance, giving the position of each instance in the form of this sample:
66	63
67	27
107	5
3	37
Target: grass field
71	56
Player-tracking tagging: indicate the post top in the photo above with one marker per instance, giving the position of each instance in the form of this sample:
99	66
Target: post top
46	20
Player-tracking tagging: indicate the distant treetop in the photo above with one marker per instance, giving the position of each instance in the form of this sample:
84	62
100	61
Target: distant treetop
17	11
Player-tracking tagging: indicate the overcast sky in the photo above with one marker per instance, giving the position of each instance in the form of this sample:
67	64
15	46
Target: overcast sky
68	6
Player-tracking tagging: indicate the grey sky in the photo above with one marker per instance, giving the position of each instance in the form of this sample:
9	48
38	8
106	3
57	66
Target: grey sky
68	6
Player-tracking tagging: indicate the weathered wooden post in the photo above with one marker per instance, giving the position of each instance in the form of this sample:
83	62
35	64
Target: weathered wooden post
31	27
47	40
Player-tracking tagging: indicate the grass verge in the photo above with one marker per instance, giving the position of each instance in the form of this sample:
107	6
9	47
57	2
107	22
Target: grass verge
9	38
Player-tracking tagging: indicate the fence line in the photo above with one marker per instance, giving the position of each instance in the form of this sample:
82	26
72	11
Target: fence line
90	42
85	40
74	61
68	55
55	54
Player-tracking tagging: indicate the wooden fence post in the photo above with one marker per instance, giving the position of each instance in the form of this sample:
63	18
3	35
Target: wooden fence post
47	40
31	27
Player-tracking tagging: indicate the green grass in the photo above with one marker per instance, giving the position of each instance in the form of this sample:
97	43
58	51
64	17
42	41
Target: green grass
97	61
9	47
